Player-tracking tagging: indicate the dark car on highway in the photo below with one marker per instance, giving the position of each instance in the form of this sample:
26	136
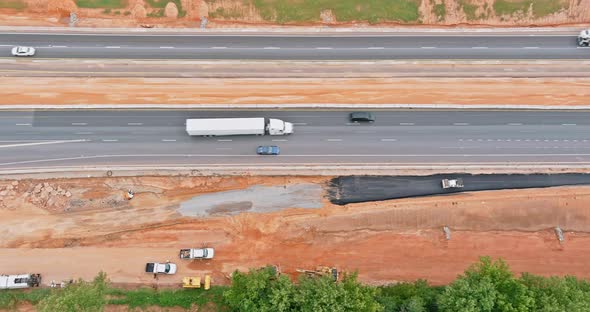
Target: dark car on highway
362	116
268	150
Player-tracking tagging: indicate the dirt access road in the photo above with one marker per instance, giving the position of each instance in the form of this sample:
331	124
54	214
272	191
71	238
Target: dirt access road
81	226
467	91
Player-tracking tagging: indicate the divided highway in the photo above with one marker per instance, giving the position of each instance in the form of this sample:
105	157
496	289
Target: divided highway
296	47
398	137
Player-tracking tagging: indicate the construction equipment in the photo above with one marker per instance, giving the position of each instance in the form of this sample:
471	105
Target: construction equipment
191	282
584	38
207	282
452	183
322	271
195	282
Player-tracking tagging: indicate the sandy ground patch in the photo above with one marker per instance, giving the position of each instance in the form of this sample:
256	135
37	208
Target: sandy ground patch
538	91
96	229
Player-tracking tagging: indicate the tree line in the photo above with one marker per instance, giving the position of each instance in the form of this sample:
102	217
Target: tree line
486	286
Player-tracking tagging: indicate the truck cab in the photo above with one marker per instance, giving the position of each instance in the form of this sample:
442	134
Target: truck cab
279	127
584	38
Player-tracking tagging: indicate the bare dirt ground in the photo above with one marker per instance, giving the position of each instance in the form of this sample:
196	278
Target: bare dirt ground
58	91
81	226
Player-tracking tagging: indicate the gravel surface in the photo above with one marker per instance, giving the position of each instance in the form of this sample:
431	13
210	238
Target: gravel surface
254	199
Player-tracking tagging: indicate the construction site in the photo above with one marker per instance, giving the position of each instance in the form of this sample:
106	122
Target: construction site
80	226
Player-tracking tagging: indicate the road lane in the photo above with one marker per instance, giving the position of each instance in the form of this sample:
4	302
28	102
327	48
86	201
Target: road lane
157	137
285	47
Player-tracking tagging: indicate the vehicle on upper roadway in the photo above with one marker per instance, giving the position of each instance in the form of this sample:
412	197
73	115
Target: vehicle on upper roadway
237	126
584	38
197	253
362	116
160	268
268	150
23	51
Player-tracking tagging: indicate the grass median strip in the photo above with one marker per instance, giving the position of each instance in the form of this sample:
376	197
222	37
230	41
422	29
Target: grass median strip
101	4
373	11
12	4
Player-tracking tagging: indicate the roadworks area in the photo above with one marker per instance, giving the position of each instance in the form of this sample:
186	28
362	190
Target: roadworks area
559	92
81	226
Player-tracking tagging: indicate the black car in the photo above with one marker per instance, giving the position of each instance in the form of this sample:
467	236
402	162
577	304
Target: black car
362	116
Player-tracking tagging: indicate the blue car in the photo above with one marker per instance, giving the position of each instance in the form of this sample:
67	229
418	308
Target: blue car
268	150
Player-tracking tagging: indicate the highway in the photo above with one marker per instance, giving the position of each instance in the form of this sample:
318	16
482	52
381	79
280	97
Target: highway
51	139
296	47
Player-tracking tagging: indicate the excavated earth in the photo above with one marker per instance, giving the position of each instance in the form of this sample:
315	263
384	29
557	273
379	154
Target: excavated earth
81	226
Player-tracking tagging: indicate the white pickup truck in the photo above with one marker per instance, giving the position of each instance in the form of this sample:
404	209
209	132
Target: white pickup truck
197	253
160	268
452	183
17	281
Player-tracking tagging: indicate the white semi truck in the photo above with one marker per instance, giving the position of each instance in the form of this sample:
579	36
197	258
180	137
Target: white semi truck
237	126
17	281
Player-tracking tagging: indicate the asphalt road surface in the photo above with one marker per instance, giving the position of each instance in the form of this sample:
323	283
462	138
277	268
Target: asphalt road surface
296	47
398	137
355	189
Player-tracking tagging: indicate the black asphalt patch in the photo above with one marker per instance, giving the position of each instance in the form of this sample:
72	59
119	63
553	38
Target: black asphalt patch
357	189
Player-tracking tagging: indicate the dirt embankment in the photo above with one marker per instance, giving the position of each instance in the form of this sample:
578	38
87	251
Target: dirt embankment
538	91
247	13
95	228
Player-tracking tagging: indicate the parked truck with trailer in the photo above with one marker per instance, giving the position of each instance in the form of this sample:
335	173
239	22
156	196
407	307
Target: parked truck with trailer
237	126
17	281
197	253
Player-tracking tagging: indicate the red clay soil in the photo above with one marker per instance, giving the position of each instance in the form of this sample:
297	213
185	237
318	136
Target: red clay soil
96	229
468	91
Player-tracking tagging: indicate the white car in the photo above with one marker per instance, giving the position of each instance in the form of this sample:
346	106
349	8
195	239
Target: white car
160	268
23	51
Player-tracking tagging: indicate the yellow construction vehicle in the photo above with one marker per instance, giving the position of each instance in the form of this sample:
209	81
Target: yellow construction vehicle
195	282
191	282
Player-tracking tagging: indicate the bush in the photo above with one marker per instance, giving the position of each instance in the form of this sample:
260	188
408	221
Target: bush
78	297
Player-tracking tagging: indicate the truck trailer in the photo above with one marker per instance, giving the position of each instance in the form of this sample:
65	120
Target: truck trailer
17	281
237	126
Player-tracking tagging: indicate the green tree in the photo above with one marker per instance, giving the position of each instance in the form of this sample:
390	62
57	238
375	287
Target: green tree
80	296
409	297
323	295
486	286
556	294
259	291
